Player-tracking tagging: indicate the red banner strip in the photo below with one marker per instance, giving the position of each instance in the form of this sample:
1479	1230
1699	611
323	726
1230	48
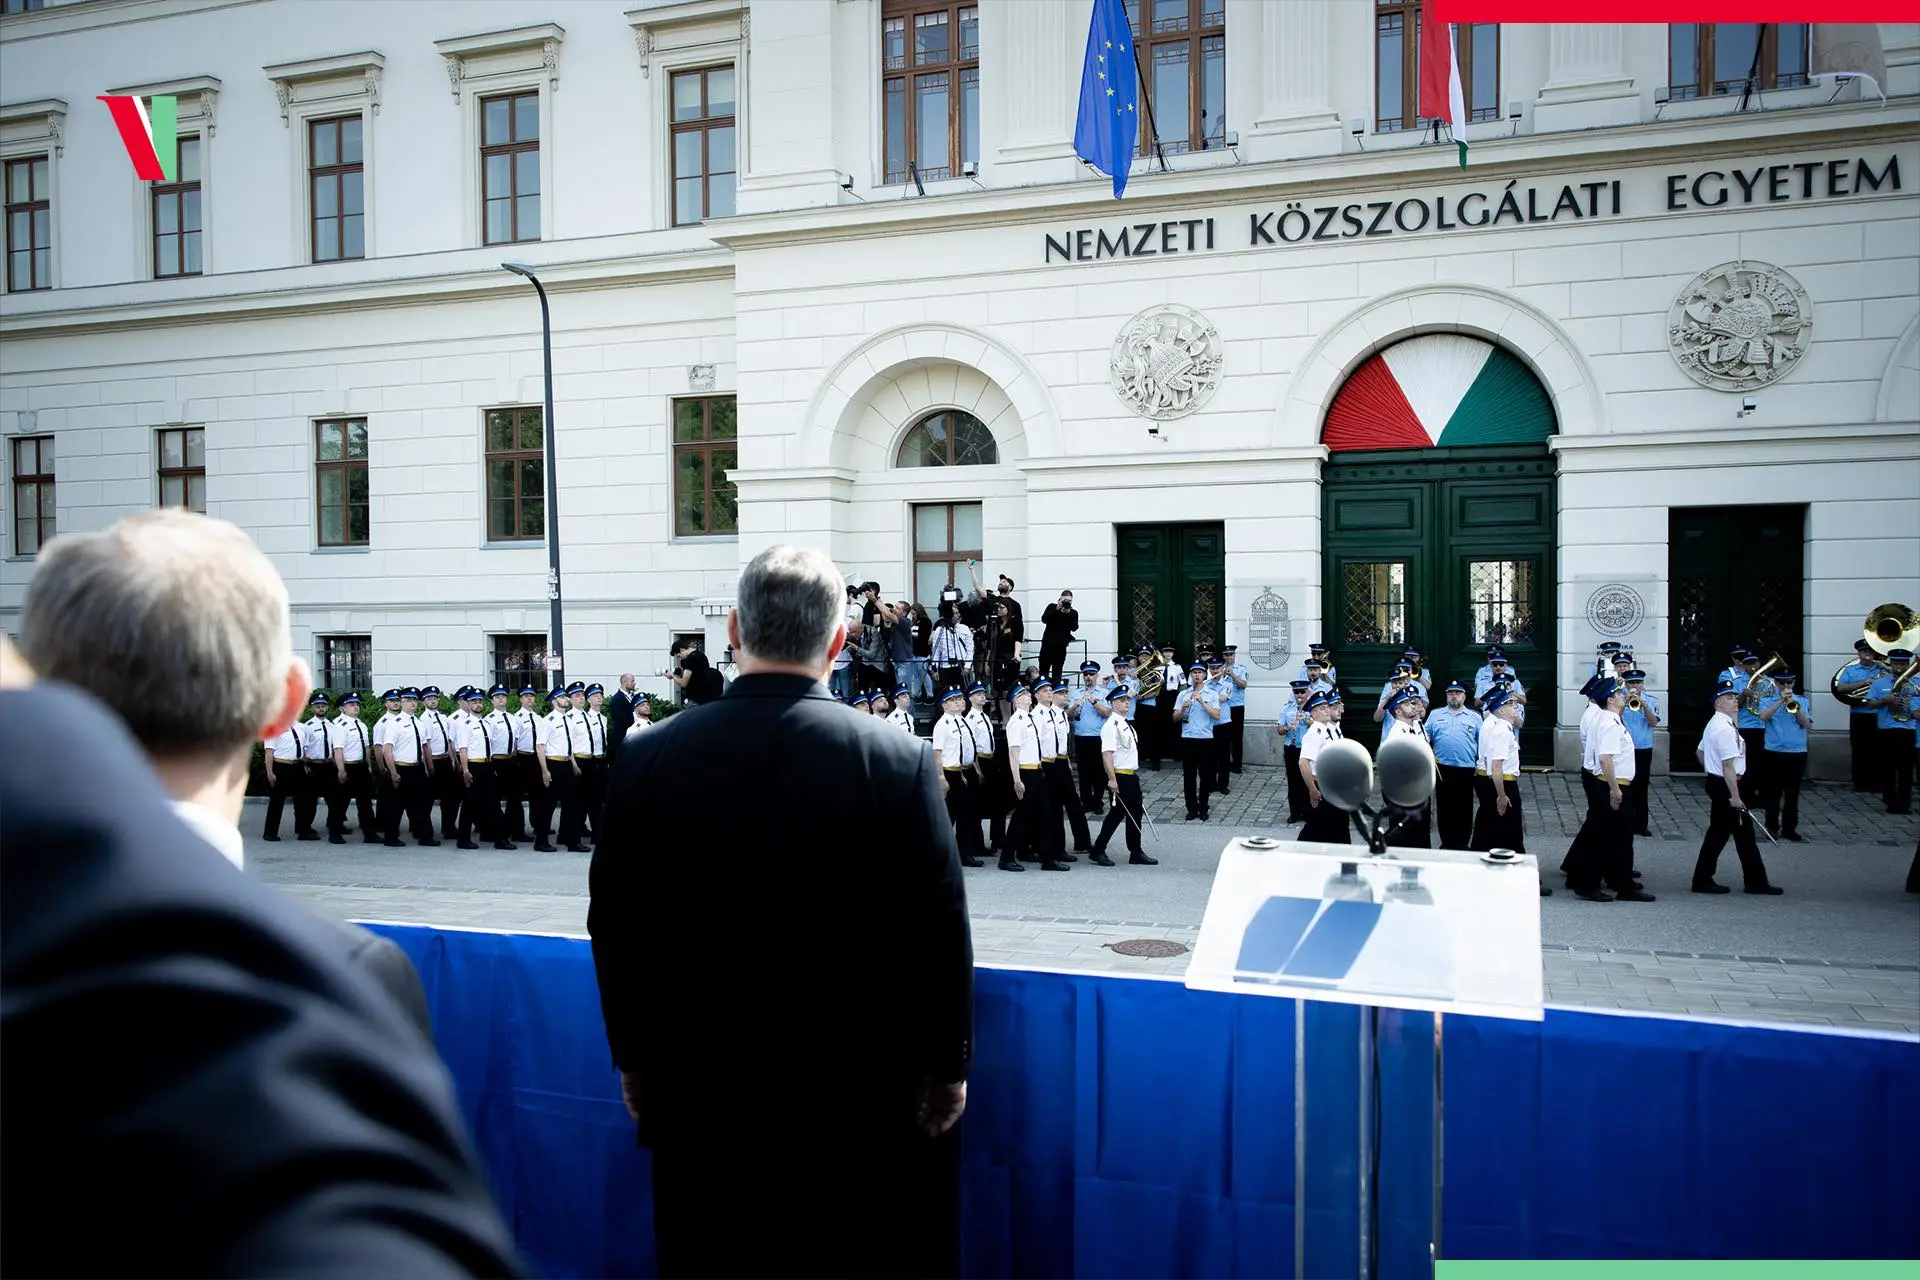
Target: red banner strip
1666	11
133	132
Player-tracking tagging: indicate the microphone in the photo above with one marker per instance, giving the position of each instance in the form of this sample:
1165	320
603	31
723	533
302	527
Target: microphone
1344	771
1407	771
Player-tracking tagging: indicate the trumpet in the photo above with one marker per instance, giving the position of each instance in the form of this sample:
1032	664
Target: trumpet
1635	703
1793	705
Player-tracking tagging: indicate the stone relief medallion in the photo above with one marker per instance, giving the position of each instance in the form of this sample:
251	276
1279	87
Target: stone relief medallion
1166	361
1740	326
1615	609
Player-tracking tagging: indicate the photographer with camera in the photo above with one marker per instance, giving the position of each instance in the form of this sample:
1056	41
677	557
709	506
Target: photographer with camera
1059	621
699	683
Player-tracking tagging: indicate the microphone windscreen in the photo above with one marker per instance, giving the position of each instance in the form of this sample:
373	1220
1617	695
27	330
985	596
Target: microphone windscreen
1407	771
1345	774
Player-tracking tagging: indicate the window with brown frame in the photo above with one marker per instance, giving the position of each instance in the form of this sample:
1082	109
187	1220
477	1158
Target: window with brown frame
1396	66
705	448
183	467
704	162
930	87
33	507
520	662
1181	46
945	536
516	476
337	195
510	167
949	438
346	662
1705	59
29	210
177	216
340	481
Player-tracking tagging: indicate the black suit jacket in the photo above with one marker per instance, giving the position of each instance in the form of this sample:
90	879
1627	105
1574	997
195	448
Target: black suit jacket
777	902
619	715
191	1048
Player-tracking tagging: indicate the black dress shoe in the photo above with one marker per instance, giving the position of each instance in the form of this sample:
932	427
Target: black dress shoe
578	848
1011	866
336	839
274	839
1593	895
1221	791
306	835
1634	895
1055	866
1204	815
468	844
1711	886
429	844
505	844
1795	837
1644	835
972	862
1545	892
394	844
1067	857
1142	860
1766	890
1191	817
543	847
1102	860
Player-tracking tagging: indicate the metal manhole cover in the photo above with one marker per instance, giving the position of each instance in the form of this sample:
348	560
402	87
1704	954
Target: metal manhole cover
1147	948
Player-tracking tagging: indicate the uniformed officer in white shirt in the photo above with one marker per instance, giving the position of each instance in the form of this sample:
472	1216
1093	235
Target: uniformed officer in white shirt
642	713
498	724
957	755
1580	852
522	783
356	753
445	774
1026	832
902	714
1724	758
561	735
586	699
409	759
1120	758
1325	824
323	754
479	784
1499	824
1404	711
1607	852
1061	788
1291	726
380	761
995	800
286	779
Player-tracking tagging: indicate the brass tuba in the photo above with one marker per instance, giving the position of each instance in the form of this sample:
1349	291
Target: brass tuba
1151	676
1761	687
1888	627
1901	709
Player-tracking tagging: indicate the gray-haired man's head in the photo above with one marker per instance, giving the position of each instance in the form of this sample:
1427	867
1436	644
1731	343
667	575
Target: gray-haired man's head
175	620
789	606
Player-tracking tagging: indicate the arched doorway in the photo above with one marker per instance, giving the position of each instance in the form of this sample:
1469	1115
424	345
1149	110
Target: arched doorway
1438	505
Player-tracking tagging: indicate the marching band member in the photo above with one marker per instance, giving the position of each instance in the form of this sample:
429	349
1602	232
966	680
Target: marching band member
1236	686
1291	724
1382	714
1863	722
1785	756
1222	686
1724	757
1325	824
1640	721
1895	712
1087	710
1453	731
956	753
1196	710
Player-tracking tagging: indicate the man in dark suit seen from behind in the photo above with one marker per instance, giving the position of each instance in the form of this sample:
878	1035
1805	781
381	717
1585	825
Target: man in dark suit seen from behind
191	1047
799	1102
620	710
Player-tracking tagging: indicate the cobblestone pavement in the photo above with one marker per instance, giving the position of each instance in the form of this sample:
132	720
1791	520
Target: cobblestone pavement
1841	949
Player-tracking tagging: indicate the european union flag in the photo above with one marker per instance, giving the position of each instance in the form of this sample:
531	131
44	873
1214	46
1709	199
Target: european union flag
1109	95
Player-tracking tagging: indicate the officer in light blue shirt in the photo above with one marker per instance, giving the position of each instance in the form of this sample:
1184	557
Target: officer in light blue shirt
1497	669
1897	712
1453	730
1735	673
1291	726
1863	730
1122	675
1087	711
1222	685
1197	709
1747	722
1316	654
1640	720
1237	677
1787	719
1315	674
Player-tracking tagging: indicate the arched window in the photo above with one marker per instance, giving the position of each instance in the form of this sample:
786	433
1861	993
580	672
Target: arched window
949	438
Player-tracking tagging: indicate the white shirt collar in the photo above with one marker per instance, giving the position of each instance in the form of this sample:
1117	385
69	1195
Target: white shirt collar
215	830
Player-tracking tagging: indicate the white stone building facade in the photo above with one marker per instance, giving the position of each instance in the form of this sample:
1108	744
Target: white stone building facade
837	306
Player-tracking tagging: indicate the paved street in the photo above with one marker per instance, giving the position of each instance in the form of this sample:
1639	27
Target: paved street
1841	948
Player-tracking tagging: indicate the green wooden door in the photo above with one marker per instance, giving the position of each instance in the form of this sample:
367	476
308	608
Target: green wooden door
1735	578
1173	586
1445	550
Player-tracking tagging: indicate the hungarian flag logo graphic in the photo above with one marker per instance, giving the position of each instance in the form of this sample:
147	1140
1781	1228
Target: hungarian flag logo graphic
150	131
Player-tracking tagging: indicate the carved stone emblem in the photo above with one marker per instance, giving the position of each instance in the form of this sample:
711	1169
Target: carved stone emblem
1740	325
1166	361
1615	610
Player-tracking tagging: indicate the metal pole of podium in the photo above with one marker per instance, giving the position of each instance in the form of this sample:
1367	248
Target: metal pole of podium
1439	1134
1365	1110
1299	1140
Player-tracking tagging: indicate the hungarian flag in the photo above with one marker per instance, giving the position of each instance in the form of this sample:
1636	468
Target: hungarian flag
1440	96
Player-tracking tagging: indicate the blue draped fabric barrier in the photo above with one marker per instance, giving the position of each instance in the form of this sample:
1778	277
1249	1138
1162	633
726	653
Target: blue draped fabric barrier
1127	1127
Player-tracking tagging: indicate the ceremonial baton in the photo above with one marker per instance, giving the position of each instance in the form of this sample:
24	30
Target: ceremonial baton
1136	816
1761	827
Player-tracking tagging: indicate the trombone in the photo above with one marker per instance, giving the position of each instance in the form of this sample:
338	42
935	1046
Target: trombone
1886	628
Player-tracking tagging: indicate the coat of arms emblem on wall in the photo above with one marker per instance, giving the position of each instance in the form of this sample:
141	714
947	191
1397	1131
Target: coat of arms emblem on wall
1740	326
1166	361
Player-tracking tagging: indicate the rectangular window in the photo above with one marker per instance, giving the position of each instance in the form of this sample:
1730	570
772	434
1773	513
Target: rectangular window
703	144
337	195
705	449
24	6
1705	59
930	87
520	662
340	481
1181	46
177	216
510	167
1375	610
29	211
346	662
516	476
32	494
1397	66
183	468
1501	599
945	536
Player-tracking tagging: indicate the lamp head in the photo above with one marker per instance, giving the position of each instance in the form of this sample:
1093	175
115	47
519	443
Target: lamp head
519	269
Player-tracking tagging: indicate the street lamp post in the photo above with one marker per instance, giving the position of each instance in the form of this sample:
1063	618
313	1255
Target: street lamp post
556	646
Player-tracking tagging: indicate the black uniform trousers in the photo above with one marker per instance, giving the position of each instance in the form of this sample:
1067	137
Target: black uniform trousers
1637	790
1237	734
519	781
1060	789
1296	786
289	783
1756	742
1126	809
1027	831
1415	833
1581	853
1167	745
1492	829
1147	724
1196	760
1784	771
1607	842
563	795
359	790
1863	736
1092	771
1724	820
414	797
1222	753
319	778
1452	808
480	804
963	809
323	783
1326	823
593	792
1896	758
994	799
447	789
386	799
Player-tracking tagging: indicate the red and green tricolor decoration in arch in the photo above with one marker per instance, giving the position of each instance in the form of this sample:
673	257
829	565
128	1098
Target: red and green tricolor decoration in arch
1439	389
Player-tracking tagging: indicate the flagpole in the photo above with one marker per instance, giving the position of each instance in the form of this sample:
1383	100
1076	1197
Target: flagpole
1753	72
1146	96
